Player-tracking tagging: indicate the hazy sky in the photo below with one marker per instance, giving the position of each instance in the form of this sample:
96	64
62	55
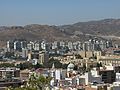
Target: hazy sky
22	12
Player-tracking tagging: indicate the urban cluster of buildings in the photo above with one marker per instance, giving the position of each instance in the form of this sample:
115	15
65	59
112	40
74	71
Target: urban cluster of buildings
90	45
97	61
56	47
102	78
40	51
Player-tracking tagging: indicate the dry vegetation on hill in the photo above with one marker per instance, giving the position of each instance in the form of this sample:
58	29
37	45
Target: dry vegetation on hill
78	31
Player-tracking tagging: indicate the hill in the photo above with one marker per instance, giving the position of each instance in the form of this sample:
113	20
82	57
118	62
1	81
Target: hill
105	29
101	27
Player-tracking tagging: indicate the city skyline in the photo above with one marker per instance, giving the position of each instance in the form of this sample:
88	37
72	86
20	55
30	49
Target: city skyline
56	12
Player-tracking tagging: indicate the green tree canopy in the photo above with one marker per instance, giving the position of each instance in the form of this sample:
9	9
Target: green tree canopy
51	61
25	65
7	65
36	82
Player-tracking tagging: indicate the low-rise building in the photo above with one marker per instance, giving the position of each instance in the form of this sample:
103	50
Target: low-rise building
9	73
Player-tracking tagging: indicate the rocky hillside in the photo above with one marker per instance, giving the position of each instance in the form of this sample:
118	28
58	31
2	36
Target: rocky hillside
109	28
32	32
102	27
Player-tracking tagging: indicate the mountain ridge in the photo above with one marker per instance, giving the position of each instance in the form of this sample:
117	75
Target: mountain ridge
77	31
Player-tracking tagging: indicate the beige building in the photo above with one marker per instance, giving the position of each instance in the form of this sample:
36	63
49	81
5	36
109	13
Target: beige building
43	57
24	74
113	60
88	54
40	56
97	87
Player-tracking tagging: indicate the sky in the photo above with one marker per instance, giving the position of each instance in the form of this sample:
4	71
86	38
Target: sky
56	12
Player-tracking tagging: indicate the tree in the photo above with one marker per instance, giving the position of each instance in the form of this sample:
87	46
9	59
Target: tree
94	57
91	66
39	82
51	61
78	56
84	68
99	65
25	65
64	66
76	67
38	66
7	65
35	82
